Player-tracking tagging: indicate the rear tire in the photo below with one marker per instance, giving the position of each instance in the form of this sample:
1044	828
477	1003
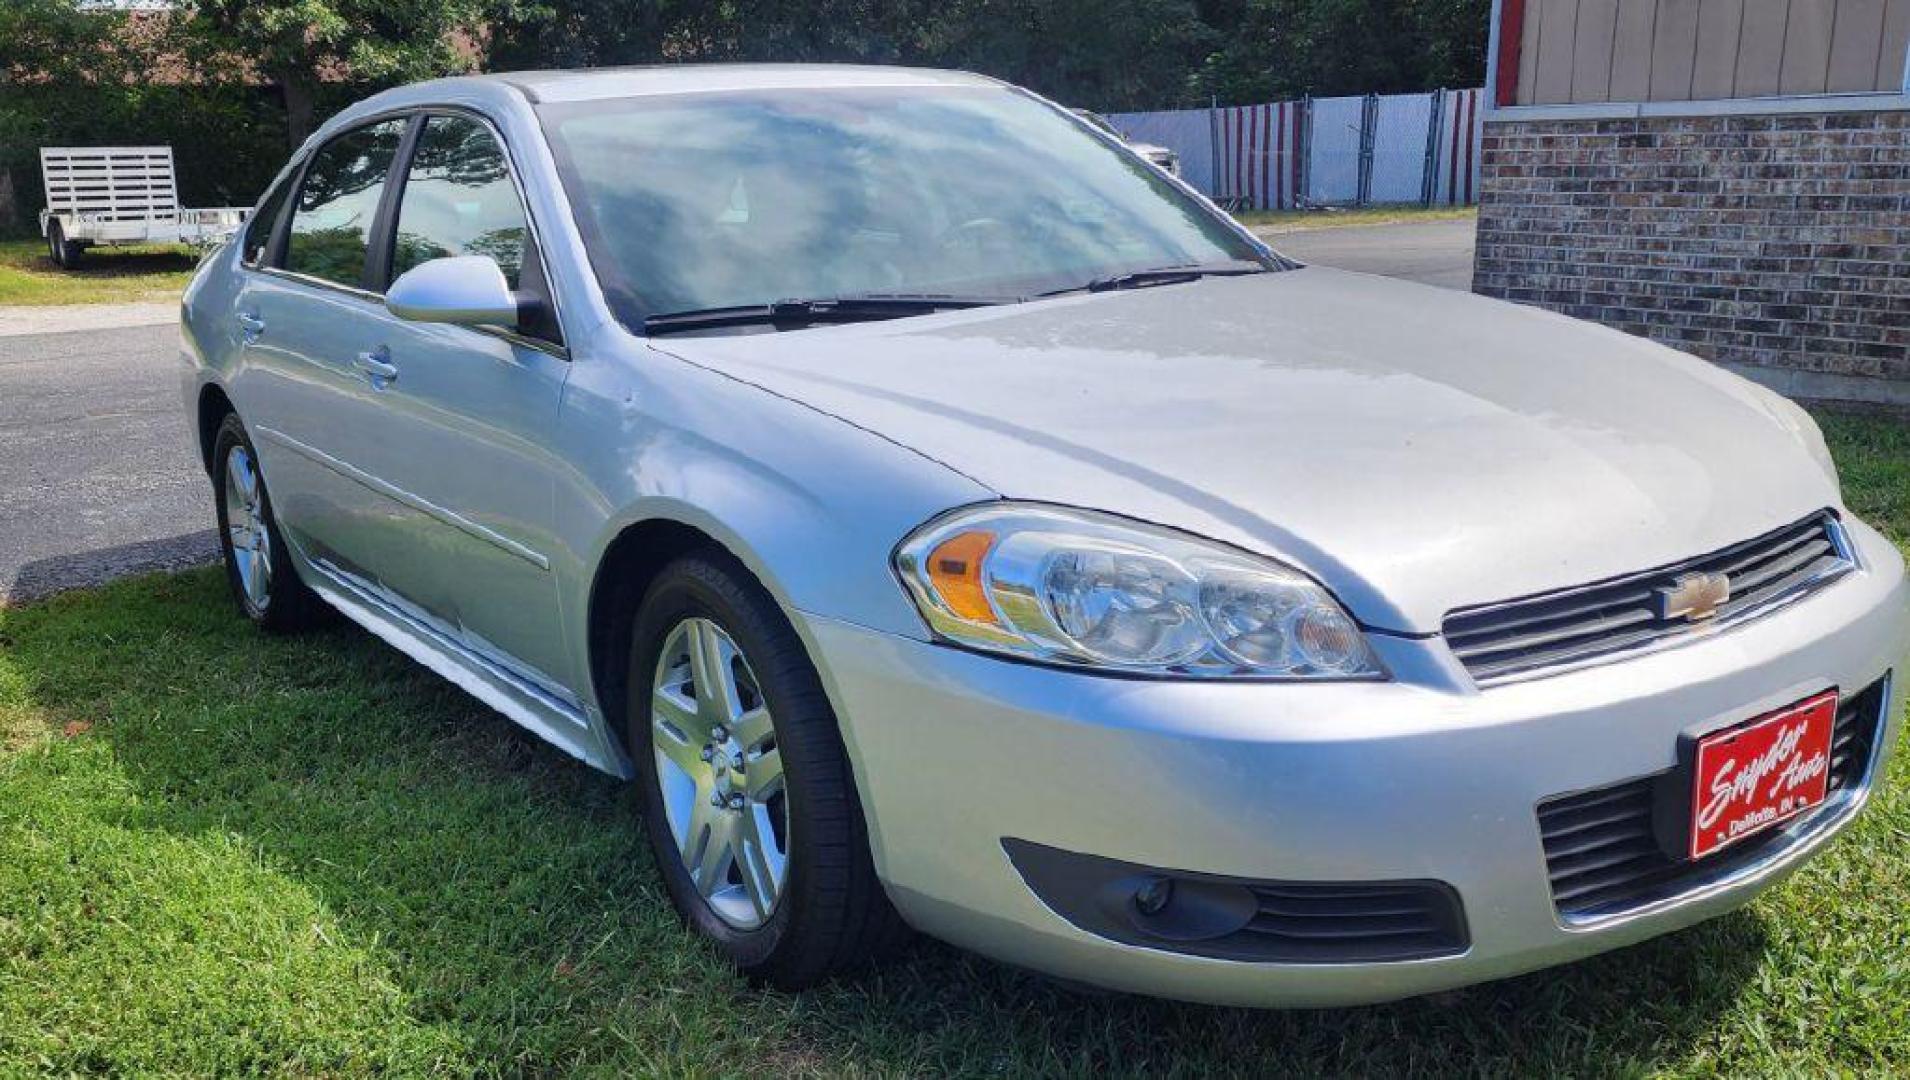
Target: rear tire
258	562
828	912
64	253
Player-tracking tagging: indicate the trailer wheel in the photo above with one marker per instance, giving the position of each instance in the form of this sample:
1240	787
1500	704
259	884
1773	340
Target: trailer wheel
64	253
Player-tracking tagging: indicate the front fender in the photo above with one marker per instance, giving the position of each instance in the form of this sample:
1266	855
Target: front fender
812	505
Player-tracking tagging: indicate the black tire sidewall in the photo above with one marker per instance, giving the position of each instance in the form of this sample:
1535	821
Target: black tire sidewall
703	587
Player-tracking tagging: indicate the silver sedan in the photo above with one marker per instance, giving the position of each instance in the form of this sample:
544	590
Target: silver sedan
951	521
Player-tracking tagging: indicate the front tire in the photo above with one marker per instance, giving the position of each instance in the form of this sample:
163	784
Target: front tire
258	562
748	798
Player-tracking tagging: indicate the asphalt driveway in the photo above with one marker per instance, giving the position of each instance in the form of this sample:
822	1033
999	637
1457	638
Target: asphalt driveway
1433	252
98	476
97	472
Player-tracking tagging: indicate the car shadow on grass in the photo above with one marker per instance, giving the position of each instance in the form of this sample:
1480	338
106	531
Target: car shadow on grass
505	891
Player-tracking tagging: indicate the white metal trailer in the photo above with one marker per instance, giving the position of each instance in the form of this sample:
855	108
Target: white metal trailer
120	195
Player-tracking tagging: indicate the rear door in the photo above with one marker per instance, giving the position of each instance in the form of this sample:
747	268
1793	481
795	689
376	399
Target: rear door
307	318
468	413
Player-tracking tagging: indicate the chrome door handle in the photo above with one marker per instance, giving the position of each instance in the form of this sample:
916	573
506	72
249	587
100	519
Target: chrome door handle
251	327
377	367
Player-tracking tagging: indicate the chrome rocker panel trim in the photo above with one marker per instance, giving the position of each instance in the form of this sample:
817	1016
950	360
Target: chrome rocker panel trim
548	712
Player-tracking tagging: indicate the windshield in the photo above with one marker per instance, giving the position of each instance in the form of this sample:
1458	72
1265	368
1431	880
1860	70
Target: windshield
699	201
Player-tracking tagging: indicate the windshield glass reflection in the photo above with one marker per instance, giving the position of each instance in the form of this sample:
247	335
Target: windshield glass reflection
698	201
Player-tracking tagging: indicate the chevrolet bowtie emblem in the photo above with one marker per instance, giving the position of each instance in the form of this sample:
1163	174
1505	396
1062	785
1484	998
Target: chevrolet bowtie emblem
1695	596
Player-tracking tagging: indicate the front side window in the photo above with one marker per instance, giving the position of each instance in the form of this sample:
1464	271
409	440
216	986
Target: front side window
331	223
700	201
459	200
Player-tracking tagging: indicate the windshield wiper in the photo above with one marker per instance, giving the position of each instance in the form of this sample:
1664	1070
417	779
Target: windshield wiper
795	314
1166	275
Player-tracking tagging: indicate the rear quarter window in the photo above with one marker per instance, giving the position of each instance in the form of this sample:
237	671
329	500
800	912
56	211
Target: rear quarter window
264	222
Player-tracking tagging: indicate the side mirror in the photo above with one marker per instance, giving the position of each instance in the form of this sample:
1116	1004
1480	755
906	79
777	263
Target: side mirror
469	290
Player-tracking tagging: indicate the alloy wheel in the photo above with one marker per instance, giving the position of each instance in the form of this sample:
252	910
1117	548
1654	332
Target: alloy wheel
247	538
720	773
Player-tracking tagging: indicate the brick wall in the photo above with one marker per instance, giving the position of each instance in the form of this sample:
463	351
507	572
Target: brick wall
1777	245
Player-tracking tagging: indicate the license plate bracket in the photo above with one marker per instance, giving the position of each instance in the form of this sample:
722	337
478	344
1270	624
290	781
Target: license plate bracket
1745	779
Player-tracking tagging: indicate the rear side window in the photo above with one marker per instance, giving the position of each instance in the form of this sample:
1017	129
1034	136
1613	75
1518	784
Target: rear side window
459	200
332	221
258	231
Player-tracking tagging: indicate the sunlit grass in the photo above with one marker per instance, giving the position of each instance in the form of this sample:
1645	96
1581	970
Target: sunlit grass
106	275
1278	221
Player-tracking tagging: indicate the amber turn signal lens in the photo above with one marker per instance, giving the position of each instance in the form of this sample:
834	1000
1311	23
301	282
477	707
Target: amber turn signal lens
955	570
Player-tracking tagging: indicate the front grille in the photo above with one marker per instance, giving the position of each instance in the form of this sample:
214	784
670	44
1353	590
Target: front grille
1501	641
1309	923
1601	848
1243	919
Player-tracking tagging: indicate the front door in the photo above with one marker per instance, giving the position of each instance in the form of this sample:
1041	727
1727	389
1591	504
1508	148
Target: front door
468	416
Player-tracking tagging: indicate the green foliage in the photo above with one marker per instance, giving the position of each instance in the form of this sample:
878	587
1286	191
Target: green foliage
299	44
1104	54
1284	48
1108	54
57	41
247	78
228	141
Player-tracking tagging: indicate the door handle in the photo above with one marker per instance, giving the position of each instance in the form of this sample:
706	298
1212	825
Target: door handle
378	367
251	327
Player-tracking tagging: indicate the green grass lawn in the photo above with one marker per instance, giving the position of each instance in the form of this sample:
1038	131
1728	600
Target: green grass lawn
1278	221
106	275
226	853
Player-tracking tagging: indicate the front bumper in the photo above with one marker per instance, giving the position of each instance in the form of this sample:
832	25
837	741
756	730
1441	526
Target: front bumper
1422	778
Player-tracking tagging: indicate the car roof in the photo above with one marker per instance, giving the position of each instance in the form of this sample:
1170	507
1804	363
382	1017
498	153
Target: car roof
589	84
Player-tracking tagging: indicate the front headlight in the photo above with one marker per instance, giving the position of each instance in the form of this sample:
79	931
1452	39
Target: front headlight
1090	590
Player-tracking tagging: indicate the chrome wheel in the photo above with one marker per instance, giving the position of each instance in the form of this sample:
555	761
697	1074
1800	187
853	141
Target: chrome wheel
720	773
248	541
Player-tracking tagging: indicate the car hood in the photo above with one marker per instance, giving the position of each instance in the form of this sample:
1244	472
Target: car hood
1415	449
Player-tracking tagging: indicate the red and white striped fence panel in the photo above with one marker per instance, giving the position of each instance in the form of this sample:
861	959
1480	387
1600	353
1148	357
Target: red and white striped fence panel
1255	156
1456	181
1260	154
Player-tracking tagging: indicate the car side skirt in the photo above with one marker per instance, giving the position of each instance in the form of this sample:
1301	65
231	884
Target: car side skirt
547	711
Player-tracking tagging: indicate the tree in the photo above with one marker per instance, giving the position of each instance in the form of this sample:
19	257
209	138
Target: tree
1280	48
301	44
586	33
1105	54
1108	54
54	41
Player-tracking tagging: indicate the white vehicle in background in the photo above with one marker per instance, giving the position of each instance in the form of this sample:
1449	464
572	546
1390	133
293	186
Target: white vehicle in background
1161	156
119	195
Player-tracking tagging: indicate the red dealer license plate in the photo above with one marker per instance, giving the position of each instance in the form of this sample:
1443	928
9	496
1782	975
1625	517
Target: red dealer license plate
1751	777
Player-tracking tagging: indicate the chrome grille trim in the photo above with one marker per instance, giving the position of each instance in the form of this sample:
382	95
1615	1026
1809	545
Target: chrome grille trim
1571	628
